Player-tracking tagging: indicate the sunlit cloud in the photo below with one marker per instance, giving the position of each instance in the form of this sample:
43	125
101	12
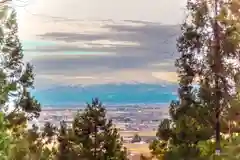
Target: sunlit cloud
85	42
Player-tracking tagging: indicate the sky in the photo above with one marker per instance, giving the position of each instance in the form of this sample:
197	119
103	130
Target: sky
97	42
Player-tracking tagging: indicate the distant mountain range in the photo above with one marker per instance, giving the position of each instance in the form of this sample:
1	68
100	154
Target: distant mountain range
108	93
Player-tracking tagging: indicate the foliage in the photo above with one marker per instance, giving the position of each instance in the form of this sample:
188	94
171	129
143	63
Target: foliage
231	150
5	139
66	149
159	148
142	157
19	106
136	138
31	144
95	137
194	115
4	89
18	76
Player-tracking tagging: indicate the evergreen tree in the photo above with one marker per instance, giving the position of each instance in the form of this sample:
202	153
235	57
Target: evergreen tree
5	139
3	88
158	149
112	146
207	46
136	138
95	136
30	144
66	149
231	149
17	73
16	79
142	157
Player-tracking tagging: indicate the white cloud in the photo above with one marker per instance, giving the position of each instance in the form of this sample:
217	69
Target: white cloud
36	16
166	76
123	76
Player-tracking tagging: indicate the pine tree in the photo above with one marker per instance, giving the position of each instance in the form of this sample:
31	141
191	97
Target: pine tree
231	149
112	147
66	149
95	136
3	89
6	142
5	139
142	157
31	144
15	81
136	138
207	45
18	75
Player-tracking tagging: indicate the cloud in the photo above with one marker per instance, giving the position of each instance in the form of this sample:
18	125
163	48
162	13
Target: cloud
166	76
158	10
124	76
125	52
151	43
147	37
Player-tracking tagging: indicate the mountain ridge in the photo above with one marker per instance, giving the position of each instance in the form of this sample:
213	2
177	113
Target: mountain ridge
109	94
